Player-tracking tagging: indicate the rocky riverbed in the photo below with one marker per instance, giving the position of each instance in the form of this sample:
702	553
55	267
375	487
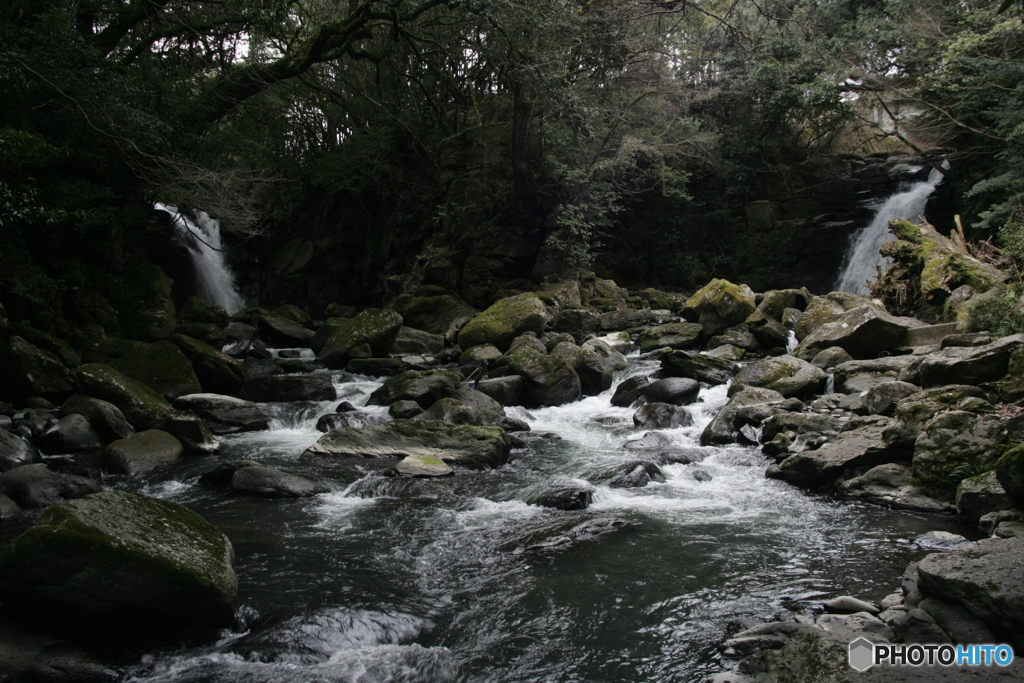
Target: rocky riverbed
442	407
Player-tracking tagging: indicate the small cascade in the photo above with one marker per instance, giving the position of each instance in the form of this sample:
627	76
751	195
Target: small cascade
201	237
792	342
863	254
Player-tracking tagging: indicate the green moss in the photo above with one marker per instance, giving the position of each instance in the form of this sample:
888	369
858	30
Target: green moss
907	231
505	320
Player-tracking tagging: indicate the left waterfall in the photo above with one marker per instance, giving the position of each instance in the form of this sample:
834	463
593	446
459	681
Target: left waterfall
201	236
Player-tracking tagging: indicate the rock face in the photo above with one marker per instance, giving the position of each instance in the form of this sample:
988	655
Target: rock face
863	332
117	550
36	486
469	446
720	304
424	387
548	380
504	321
141	452
141	405
969	365
290	388
985	579
15	451
368	335
788	375
225	414
160	365
29	371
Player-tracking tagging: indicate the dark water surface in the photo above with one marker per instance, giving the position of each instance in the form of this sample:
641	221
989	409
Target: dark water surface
400	580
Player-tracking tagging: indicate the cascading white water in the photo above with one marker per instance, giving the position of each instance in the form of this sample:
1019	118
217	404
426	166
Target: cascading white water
863	254
202	238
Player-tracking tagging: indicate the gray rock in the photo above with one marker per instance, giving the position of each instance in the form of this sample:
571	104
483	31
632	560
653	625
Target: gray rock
505	320
272	483
633	474
677	391
596	364
917	626
950	442
859	625
424	466
482	356
368	335
830	357
850	449
410	342
787	375
141	452
727	352
290	388
400	410
740	337
917	409
864	332
357	418
561	494
508	391
651	441
8	508
220	476
725	426
889	485
1009	529
548	380
71	434
673	336
192	431
160	365
578	323
661	416
456	412
980	495
990	521
957	623
699	367
630	391
225	414
37	486
142	406
720	304
15	451
615	321
280	331
29	371
846	604
883	398
106	418
969	365
860	375
423	387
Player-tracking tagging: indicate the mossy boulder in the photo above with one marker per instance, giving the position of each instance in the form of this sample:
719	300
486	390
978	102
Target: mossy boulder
673	335
820	310
368	335
146	310
159	365
141	452
580	323
295	314
196	310
596	364
59	348
969	365
141	405
787	375
125	554
208	333
37	486
276	388
466	445
283	332
1010	473
720	304
953	446
480	356
980	495
413	342
549	380
658	299
864	332
768	332
505	320
15	451
775	302
106	418
218	372
425	387
917	409
26	370
437	314
456	412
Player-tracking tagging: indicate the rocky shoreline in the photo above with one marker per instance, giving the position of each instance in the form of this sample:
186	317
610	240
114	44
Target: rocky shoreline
842	395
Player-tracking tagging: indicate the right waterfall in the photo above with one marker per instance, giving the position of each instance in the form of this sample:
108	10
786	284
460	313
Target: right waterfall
863	255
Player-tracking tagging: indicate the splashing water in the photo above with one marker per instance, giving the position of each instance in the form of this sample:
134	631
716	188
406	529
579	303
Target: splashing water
863	254
214	278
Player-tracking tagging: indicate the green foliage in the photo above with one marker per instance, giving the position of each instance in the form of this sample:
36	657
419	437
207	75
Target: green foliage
998	313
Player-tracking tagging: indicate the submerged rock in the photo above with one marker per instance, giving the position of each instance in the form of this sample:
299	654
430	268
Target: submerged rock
565	494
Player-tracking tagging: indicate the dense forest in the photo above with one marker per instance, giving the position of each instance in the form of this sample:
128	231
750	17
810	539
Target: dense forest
357	149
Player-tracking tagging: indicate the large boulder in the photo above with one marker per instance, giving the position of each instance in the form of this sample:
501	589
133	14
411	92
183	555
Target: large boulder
159	365
677	391
37	486
1010	473
863	447
508	391
774	302
662	416
549	380
505	320
456	412
466	445
141	405
141	452
15	451
673	335
980	495
480	356
986	579
596	364
197	310
282	331
225	414
271	483
580	323
856	376
368	335
951	447
788	375
106	418
435	313
413	342
125	554
192	431
72	434
820	310
864	332
290	388
917	409
218	372
720	304
702	368
631	390
724	427
424	387
29	371
969	365
59	348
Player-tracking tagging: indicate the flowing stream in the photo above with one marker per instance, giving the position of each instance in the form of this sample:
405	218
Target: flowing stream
458	579
863	258
214	279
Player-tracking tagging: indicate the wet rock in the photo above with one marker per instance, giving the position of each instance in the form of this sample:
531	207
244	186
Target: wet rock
800	423
630	391
720	304
400	410
651	441
950	443
424	387
941	541
410	342
741	337
256	368
846	604
272	483
154	557
699	367
8	508
662	416
531	341
831	357
969	365
596	364
991	520
673	336
141	452
548	380
505	320
58	348
677	391
860	625
142	406
850	449
29	371
980	495
635	474
37	486
561	495
985	579
864	332
108	421
767	334
71	434
192	431
15	451
787	375
368	335
579	323
889	485
420	465
725	426
435	312
225	414
508	391
290	388
220	476
358	418
957	623
161	365
218	372
196	309
476	409
561	534
481	356
469	446
727	352
624	319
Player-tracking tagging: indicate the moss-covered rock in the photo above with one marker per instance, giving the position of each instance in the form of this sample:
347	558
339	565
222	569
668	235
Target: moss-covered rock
141	452
218	373
969	365
673	335
658	299
208	333
437	314
412	342
720	304
159	365
505	320
820	310
561	295
146	310
27	370
282	331
549	380
1010	473
775	302
787	375
295	314
864	332
141	405
196	310
466	445
368	335
596	364
480	356
980	495
767	331
59	348
702	368
425	387
106	418
110	551
954	446
917	409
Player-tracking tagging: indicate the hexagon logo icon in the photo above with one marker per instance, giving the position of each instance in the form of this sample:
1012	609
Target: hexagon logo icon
862	654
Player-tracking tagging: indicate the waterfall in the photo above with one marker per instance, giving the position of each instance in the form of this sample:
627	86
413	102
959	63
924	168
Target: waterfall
862	256
215	280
